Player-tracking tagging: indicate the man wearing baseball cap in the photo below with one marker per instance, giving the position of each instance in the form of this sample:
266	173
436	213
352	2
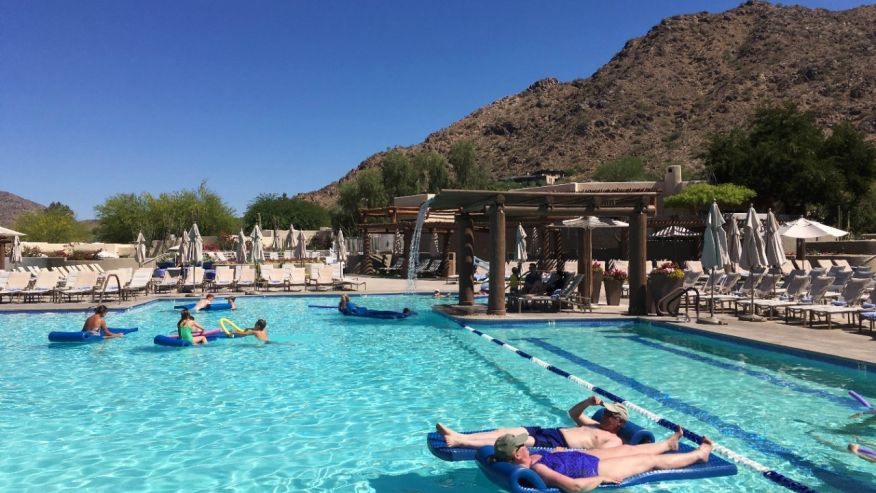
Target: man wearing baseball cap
589	434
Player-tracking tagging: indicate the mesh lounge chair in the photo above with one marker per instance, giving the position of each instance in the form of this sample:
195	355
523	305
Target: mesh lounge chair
297	277
817	290
277	278
848	303
82	284
324	280
868	312
246	277
15	284
166	283
797	288
224	278
139	282
46	283
566	296
763	290
842	263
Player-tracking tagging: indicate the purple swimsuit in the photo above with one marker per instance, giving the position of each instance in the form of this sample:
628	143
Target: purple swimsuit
571	463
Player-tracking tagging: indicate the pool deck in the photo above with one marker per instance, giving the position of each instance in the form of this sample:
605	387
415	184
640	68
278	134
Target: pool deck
841	342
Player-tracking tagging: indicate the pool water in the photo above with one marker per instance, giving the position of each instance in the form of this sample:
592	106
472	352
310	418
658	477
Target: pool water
340	404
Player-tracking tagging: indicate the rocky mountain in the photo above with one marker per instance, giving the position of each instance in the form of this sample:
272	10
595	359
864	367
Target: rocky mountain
12	206
664	93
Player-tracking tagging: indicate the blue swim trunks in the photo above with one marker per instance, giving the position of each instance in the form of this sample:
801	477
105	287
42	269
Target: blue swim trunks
572	463
547	437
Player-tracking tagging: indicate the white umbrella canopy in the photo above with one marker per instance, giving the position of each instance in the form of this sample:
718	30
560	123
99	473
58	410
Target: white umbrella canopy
291	241
140	249
753	252
734	243
15	255
196	246
183	251
775	253
520	251
301	248
808	229
715	241
240	252
258	249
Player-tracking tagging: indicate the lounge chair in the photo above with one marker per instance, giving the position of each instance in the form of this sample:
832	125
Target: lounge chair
803	265
4	276
246	277
796	290
691	277
395	268
140	281
549	302
224	278
764	289
167	282
324	280
297	277
81	284
842	263
813	299
193	279
868	312
850	299
277	278
16	282
824	263
46	284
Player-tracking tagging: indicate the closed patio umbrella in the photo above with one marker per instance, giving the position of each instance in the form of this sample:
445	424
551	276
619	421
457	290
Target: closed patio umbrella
183	251
275	241
240	252
341	250
714	252
807	229
258	249
301	248
140	249
291	241
15	254
196	246
734	243
520	241
753	252
775	253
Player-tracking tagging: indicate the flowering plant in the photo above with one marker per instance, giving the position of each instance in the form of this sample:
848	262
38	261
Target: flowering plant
670	270
616	274
597	266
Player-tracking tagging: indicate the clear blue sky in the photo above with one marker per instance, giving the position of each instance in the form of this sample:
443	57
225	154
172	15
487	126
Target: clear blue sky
119	96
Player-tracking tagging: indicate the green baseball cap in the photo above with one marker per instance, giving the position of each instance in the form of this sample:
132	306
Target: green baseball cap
506	445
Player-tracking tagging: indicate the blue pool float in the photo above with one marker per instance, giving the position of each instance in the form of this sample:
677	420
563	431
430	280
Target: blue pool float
516	479
175	341
211	307
84	337
631	434
360	311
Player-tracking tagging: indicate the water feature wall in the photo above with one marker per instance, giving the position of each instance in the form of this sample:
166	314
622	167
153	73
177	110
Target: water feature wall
414	254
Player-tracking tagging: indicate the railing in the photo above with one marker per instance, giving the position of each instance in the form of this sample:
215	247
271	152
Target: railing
106	282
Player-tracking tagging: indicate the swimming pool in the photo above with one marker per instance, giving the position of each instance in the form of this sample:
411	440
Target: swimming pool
341	404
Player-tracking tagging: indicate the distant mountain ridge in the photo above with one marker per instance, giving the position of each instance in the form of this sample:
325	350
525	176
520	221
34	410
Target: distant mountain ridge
12	206
664	93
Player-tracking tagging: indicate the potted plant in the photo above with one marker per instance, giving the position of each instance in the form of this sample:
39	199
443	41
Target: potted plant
666	277
614	281
596	284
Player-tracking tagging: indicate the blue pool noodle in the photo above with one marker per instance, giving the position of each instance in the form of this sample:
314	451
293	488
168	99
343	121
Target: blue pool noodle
211	307
84	337
858	397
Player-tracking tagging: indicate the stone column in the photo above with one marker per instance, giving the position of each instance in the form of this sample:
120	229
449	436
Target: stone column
496	303
638	257
585	262
366	267
465	258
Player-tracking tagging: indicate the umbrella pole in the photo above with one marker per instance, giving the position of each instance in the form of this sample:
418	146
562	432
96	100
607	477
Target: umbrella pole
711	320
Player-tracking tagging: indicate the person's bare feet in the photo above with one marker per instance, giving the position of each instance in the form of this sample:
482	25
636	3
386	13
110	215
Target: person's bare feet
449	435
672	442
705	449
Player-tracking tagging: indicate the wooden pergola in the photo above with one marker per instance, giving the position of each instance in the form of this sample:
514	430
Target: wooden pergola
492	209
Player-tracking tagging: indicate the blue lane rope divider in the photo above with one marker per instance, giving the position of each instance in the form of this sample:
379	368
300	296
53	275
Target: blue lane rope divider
765	471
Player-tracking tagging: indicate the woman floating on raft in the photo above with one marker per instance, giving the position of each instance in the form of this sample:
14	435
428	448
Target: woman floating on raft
572	470
186	327
349	308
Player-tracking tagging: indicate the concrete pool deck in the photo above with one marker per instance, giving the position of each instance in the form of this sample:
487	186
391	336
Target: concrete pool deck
841	342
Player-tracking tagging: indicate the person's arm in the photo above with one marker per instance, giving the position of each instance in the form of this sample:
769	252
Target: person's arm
105	330
553	478
576	412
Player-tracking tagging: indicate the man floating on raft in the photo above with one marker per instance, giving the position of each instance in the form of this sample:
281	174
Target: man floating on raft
350	309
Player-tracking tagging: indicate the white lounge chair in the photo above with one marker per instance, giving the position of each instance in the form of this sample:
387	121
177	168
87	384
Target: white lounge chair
84	285
46	283
245	277
848	304
16	282
224	278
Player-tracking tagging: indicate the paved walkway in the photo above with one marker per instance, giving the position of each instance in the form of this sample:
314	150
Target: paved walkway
839	342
